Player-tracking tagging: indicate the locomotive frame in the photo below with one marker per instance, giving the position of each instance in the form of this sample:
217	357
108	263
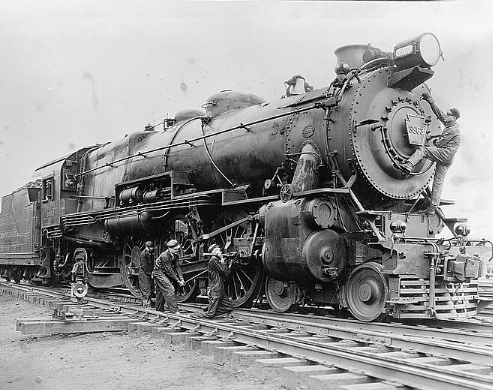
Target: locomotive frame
306	193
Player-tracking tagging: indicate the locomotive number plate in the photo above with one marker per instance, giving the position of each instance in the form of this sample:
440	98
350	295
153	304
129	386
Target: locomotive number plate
416	129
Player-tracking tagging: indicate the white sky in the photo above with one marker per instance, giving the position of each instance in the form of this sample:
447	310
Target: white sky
76	73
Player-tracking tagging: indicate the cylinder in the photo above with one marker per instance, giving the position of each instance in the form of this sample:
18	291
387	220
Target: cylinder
297	250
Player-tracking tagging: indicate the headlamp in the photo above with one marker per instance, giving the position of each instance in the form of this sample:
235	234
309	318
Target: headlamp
423	50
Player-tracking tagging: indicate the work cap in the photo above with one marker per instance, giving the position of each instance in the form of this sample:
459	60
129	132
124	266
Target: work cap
173	244
455	112
212	247
149	243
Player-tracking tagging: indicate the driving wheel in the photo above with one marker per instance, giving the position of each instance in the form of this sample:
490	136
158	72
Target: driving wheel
130	263
245	280
178	229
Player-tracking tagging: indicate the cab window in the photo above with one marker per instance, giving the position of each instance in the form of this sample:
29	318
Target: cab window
68	181
48	189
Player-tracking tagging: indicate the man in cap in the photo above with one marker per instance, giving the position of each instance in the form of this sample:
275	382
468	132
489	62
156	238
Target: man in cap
442	152
146	267
217	269
166	271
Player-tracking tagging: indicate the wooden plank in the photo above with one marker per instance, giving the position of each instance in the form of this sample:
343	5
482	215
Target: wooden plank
89	314
19	321
43	326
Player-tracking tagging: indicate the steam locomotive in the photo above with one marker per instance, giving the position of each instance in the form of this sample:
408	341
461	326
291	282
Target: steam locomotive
306	192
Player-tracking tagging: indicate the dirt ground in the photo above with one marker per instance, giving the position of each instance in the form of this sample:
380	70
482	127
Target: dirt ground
106	361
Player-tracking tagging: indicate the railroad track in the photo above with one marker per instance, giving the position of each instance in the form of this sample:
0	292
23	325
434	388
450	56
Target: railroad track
328	351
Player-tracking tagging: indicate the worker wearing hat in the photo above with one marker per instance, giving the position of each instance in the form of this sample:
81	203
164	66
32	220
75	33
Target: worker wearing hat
166	271
442	152
146	266
218	270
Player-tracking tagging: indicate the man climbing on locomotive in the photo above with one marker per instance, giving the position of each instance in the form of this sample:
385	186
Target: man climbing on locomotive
166	271
442	152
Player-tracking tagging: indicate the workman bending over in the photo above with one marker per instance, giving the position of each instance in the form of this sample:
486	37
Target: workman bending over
166	271
442	152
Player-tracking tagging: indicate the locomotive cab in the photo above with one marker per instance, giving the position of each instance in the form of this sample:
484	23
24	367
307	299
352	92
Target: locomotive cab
58	190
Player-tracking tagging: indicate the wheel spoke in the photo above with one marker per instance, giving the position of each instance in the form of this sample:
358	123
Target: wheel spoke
130	261
245	280
187	252
235	289
242	284
246	276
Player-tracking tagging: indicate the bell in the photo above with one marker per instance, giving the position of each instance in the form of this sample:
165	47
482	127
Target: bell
299	86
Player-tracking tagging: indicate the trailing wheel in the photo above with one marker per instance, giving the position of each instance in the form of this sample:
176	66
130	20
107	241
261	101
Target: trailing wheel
280	295
245	280
367	292
130	262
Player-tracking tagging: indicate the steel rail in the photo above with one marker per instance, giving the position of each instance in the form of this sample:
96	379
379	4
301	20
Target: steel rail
411	338
472	353
415	374
481	334
418	375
